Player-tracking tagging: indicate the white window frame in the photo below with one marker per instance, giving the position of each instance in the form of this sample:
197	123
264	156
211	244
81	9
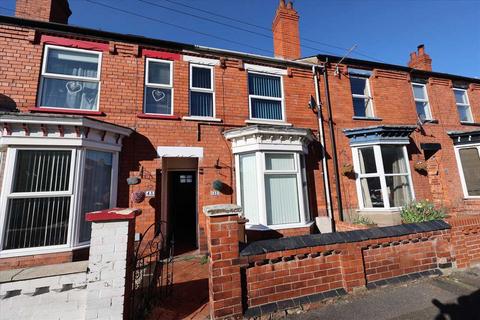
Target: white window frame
261	172
74	191
467	104
428	117
364	97
46	74
460	168
203	90
253	96
158	85
380	174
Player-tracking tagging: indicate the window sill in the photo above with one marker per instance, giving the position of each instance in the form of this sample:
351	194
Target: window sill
379	210
157	116
473	124
66	111
29	273
38	251
273	123
367	118
205	119
260	227
431	121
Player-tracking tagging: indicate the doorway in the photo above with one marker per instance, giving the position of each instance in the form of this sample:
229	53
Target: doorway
182	212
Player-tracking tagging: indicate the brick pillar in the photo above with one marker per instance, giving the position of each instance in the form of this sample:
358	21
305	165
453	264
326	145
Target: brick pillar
224	280
108	276
353	270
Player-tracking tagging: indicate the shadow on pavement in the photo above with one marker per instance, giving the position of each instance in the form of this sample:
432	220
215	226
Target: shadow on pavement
466	308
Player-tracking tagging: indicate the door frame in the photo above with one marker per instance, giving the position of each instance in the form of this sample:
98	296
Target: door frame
195	173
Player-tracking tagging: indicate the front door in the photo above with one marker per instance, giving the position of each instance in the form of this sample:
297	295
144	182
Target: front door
182	204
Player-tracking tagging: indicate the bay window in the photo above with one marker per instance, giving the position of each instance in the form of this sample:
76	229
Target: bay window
70	78
383	176
202	95
271	188
158	87
42	193
265	97
468	159
463	106
421	101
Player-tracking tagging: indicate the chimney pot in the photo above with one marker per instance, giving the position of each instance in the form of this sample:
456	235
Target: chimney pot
420	59
290	5
421	49
282	4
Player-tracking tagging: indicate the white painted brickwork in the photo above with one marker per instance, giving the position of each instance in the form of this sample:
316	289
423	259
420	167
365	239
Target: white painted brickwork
57	292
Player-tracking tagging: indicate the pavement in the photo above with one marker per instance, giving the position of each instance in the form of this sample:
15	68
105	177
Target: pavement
453	297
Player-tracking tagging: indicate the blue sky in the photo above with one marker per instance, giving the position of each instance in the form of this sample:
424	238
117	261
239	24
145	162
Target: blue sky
385	30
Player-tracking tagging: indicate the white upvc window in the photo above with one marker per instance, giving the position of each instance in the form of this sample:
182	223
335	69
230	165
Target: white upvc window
421	101
266	97
383	176
272	189
47	192
463	105
158	87
468	160
202	92
70	78
362	97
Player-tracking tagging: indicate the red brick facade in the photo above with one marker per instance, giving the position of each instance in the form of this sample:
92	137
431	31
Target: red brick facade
121	102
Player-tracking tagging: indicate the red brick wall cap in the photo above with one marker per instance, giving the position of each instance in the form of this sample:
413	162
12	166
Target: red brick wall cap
113	214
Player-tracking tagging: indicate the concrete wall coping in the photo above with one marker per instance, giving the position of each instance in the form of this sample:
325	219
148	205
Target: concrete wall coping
43	271
218	210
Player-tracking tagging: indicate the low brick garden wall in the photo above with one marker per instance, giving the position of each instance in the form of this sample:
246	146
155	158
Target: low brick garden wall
267	276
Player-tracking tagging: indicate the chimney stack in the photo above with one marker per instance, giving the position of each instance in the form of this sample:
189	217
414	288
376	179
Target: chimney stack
44	10
286	35
420	60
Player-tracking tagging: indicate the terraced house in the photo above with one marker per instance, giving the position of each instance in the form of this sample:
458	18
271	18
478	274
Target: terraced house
93	120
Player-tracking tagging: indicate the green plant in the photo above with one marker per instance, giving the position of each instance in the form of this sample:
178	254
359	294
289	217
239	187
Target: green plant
362	220
419	211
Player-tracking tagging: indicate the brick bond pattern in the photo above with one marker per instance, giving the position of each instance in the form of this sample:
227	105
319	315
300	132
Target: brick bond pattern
287	272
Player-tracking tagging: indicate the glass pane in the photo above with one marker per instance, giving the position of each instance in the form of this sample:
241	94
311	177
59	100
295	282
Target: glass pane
159	72
422	110
281	199
393	159
277	161
201	104
97	177
471	173
72	63
70	94
266	109
419	92
366	157
249	187
460	96
359	86
372	192
36	222
398	190
362	107
41	170
201	78
158	100
263	85
464	113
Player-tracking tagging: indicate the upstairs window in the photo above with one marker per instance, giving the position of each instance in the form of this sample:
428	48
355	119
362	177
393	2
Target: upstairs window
265	97
383	176
362	98
158	87
421	101
70	79
463	106
202	96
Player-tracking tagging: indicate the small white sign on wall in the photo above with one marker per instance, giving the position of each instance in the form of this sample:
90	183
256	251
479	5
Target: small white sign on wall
150	193
215	193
